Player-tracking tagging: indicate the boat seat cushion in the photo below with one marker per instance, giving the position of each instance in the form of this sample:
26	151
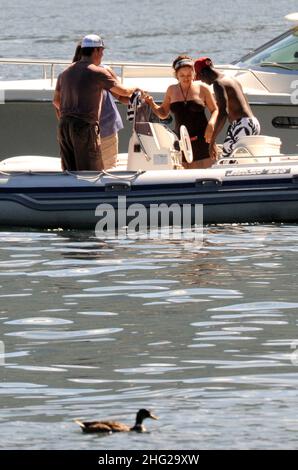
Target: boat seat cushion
31	163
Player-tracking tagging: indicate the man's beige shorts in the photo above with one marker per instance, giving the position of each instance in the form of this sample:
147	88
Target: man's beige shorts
109	151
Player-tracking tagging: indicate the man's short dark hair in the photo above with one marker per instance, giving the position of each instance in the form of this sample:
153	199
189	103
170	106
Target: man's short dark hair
87	51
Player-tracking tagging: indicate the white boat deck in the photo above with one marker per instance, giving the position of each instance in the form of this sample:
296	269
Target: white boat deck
43	164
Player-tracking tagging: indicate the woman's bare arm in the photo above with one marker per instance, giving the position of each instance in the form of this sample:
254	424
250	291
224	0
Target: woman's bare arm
163	110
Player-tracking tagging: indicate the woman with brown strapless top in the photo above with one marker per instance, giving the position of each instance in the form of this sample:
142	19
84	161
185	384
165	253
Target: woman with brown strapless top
187	100
192	114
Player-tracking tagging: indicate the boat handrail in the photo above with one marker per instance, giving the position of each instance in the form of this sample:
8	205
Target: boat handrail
125	69
258	160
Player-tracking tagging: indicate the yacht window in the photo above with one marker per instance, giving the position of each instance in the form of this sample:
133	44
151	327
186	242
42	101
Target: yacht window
285	122
283	51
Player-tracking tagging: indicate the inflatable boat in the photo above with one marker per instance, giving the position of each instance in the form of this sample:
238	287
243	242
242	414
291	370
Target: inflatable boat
256	184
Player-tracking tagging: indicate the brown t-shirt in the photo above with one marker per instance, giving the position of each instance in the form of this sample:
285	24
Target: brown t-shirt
80	87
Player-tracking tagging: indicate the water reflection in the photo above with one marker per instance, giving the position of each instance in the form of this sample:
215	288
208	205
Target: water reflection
101	329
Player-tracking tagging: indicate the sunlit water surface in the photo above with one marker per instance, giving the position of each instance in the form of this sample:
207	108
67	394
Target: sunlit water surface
205	336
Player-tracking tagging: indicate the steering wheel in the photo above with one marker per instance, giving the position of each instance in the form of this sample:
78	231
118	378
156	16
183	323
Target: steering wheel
185	144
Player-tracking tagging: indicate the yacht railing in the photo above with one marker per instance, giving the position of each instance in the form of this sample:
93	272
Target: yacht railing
46	65
123	69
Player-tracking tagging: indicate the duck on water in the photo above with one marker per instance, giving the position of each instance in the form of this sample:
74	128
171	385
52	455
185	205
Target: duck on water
114	426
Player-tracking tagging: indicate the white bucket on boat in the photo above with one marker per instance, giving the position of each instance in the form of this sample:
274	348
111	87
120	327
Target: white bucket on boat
259	145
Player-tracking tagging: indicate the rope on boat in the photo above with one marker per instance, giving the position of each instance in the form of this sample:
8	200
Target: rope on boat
128	177
72	173
106	173
82	177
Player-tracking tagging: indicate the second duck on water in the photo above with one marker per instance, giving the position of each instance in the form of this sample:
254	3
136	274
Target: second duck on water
115	426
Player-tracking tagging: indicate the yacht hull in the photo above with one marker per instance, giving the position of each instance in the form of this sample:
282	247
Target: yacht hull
31	127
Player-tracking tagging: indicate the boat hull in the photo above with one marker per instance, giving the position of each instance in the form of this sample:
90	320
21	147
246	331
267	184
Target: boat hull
228	195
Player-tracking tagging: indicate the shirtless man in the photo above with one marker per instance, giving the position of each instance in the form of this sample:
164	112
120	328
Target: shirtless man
232	104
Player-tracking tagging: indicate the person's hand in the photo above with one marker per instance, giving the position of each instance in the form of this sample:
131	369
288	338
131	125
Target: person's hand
208	132
143	92
213	150
140	90
149	100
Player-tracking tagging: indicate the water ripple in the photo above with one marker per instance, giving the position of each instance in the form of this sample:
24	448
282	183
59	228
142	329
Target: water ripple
60	335
256	306
39	321
205	332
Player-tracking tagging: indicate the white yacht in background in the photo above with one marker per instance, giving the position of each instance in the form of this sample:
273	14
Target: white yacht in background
269	76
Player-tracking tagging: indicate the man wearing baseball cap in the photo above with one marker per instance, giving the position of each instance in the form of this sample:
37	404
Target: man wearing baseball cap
77	99
232	104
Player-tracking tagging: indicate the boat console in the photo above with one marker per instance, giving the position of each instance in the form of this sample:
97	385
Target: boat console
153	146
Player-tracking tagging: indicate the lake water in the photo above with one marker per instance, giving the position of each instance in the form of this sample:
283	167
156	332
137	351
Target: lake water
205	336
147	31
